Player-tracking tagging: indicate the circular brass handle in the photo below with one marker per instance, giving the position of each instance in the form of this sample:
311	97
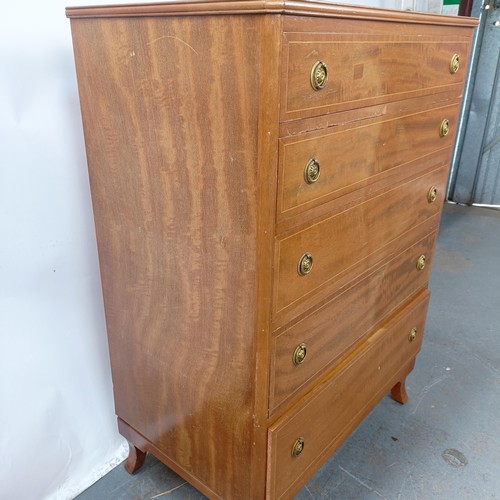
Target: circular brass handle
412	335
454	63
432	194
312	171
444	128
300	354
305	264
298	447
421	262
319	75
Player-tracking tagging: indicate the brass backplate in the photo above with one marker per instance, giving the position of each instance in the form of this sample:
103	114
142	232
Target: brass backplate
421	262
444	128
300	354
432	194
412	335
305	264
312	171
454	63
298	447
319	75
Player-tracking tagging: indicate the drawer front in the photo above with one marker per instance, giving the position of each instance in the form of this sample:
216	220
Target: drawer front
337	407
364	70
340	243
336	327
318	167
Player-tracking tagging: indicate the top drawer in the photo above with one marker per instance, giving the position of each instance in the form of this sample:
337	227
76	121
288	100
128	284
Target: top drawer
323	73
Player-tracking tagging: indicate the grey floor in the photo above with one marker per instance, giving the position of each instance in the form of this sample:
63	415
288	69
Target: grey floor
445	442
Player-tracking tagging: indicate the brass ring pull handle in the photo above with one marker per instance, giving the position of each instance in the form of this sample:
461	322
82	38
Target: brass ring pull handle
305	264
454	63
300	354
319	75
421	262
298	447
312	171
432	194
444	128
412	335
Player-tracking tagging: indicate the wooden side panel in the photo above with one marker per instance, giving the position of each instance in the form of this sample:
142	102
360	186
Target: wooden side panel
335	409
171	110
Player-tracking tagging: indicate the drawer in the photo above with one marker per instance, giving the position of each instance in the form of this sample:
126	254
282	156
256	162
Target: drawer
316	168
336	327
363	70
344	243
335	408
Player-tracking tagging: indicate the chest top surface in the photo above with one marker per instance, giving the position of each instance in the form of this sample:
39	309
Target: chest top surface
290	7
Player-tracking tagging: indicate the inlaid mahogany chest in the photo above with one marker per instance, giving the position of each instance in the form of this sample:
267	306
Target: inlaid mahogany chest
267	180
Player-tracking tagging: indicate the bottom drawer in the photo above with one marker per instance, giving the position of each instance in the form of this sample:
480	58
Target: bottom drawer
335	408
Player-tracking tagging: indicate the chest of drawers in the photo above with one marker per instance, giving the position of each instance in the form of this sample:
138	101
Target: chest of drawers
267	180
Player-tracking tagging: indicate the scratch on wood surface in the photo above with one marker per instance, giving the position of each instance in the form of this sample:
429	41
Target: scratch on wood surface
173	37
169	491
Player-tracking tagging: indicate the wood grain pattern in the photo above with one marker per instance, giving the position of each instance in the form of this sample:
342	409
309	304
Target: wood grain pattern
371	114
356	154
271	36
144	444
296	7
345	198
183	106
399	394
339	242
342	322
355	64
339	405
135	459
172	135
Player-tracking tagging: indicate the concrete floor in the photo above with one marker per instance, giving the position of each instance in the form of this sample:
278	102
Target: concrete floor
445	442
